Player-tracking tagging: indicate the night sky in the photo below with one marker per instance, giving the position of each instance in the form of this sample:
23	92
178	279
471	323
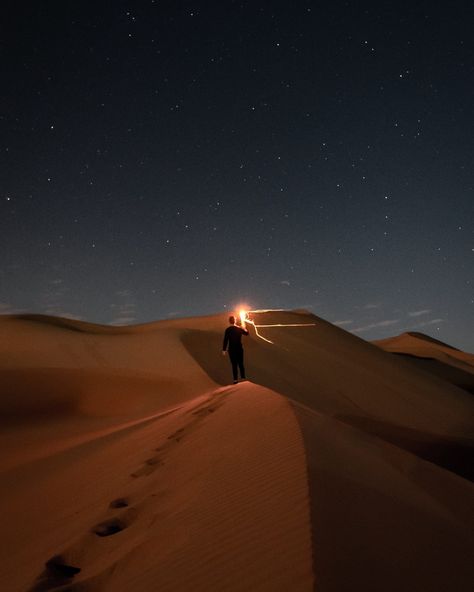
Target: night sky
163	159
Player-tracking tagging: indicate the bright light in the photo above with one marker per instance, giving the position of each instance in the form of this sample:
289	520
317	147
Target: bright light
246	319
256	327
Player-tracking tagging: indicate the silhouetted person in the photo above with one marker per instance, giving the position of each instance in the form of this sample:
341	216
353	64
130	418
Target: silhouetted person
233	340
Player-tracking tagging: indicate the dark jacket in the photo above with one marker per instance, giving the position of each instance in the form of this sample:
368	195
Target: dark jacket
233	337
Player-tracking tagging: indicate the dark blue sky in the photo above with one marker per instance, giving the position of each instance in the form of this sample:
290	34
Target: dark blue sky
171	159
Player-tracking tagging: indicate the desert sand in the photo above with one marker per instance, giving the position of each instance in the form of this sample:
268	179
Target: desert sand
128	462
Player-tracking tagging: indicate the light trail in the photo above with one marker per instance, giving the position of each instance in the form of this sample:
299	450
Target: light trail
256	331
269	310
246	319
290	325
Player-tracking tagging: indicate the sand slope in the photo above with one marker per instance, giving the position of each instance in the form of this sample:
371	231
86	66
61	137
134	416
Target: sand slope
423	346
193	506
126	464
423	352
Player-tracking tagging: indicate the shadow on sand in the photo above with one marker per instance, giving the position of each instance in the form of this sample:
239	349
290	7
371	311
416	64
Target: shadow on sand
206	347
455	455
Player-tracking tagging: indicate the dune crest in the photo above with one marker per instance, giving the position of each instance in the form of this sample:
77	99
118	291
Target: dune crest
430	355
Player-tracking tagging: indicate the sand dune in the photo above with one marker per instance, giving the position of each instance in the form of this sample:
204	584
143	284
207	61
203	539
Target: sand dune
450	364
127	463
423	346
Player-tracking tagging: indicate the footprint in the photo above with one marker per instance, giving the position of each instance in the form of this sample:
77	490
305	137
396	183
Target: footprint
206	407
58	565
199	406
176	434
204	411
120	502
117	524
109	527
148	467
57	573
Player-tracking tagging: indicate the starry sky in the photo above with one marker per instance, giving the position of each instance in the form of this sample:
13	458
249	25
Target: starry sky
164	159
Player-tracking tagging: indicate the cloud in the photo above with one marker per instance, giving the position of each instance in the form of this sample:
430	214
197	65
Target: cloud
121	321
386	323
371	305
418	313
124	313
58	312
51	308
285	283
342	323
52	299
7	309
427	323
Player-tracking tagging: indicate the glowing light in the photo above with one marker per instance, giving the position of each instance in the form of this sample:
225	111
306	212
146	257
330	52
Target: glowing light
247	319
243	317
269	310
257	333
290	325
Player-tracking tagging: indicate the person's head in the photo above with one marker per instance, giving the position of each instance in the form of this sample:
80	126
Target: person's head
232	320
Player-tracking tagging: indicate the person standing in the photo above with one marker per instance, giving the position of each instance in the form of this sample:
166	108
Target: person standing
233	342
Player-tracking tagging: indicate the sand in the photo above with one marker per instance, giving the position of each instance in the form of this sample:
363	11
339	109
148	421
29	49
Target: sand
450	364
127	462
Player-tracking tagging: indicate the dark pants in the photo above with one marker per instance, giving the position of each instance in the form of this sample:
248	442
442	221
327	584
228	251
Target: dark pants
237	359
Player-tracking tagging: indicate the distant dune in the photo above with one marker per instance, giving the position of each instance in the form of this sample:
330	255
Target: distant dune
452	365
127	462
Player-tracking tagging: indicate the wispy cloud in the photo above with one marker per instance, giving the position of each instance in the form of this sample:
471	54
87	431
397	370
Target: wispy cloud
52	299
308	306
59	312
285	283
124	313
372	305
342	323
419	313
428	323
7	309
122	321
385	323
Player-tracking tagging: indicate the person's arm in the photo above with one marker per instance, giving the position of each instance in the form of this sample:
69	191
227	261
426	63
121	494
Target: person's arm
244	331
226	342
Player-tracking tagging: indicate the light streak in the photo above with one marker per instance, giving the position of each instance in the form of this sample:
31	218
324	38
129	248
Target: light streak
257	333
290	325
269	310
246	319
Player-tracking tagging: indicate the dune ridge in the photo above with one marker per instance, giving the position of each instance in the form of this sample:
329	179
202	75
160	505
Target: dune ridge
424	346
430	355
